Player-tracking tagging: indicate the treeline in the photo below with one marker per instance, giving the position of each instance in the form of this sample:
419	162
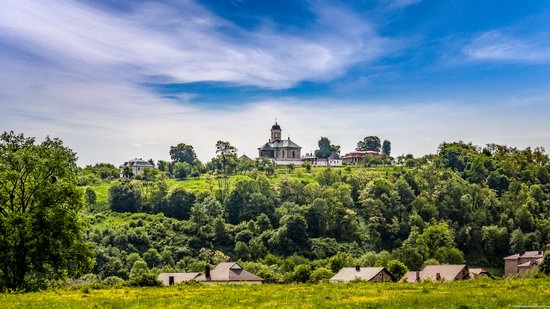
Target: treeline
462	204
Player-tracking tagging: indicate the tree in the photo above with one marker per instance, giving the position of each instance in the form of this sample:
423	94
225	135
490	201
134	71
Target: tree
517	241
545	265
290	168
320	274
125	196
326	148
386	147
183	153
396	269
371	143
224	164
139	269
242	251
178	204
182	170
90	196
41	233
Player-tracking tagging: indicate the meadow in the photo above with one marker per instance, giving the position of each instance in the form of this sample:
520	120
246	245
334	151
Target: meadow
484	293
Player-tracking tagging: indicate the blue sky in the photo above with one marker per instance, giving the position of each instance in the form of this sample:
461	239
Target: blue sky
123	79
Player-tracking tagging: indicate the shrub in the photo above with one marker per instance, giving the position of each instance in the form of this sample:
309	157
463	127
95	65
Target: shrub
397	269
144	280
320	274
113	281
301	273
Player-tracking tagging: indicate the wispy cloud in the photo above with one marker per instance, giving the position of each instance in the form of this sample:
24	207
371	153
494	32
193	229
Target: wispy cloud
501	46
186	43
399	4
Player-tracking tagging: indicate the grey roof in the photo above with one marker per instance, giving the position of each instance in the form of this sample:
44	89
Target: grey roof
287	143
351	273
531	263
138	163
526	254
227	272
266	146
334	155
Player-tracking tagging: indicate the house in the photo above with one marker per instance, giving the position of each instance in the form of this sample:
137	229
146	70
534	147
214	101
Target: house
173	278
245	158
438	273
333	159
371	274
283	152
521	263
138	166
228	272
476	273
357	156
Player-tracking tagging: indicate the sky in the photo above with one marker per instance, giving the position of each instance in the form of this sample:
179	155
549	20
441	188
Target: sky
117	80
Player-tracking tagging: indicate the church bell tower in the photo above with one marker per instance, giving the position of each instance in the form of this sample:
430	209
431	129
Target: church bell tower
275	132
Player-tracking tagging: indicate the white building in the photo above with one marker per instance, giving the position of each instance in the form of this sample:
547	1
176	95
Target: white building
334	160
138	166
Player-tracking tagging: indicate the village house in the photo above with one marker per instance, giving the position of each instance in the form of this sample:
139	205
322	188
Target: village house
476	273
357	156
174	278
438	273
521	263
138	166
371	274
228	272
283	152
333	160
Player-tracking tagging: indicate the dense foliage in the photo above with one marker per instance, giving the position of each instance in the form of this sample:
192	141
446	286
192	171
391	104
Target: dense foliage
462	204
40	230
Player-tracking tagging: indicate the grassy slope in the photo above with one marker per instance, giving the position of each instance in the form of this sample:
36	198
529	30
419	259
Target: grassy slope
201	184
467	294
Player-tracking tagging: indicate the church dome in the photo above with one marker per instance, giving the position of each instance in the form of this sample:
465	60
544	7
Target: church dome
276	127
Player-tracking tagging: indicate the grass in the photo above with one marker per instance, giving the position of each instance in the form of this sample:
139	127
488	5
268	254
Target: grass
466	294
201	184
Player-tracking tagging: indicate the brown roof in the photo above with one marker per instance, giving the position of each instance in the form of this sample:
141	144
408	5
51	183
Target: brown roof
446	272
351	273
178	277
409	276
228	271
530	263
526	254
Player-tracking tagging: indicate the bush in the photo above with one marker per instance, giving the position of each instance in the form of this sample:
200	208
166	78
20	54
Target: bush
397	269
320	274
544	267
301	273
144	280
113	281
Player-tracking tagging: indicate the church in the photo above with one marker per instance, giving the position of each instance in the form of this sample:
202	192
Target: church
284	152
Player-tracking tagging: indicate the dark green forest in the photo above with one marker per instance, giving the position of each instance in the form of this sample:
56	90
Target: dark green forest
464	204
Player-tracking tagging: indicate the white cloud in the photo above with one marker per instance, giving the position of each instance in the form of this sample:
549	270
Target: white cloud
186	43
500	46
399	4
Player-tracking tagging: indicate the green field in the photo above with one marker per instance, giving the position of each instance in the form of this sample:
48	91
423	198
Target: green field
467	294
202	184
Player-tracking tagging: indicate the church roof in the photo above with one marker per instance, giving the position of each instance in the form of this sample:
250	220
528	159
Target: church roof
276	126
266	146
287	143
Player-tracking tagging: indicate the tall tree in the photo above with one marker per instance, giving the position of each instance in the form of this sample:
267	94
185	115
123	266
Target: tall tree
326	148
41	234
224	164
386	147
371	143
183	153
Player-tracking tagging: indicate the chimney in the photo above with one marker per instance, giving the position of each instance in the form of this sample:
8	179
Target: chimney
357	268
540	252
417	276
207	271
521	253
